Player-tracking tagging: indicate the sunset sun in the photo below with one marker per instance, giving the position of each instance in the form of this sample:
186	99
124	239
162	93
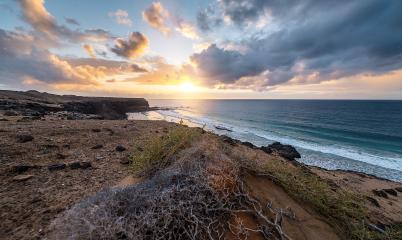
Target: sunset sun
187	87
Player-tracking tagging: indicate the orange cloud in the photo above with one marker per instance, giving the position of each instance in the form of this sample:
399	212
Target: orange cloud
90	51
156	16
135	45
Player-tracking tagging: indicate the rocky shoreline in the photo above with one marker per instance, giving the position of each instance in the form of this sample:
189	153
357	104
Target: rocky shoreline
37	104
50	165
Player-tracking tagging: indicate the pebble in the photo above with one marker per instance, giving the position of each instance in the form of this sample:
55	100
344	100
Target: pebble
120	148
21	178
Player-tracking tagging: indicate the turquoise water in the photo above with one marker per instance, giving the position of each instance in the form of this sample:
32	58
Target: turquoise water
363	136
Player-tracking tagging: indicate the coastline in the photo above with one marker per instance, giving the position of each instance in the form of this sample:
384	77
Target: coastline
50	165
48	193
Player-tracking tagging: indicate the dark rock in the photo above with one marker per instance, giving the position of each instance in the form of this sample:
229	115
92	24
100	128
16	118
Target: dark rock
82	165
120	148
391	192
399	189
57	166
266	149
97	146
373	201
248	144
23	138
74	165
3	120
21	168
285	151
66	146
124	161
229	140
140	149
96	130
10	113
85	165
111	132
380	193
60	156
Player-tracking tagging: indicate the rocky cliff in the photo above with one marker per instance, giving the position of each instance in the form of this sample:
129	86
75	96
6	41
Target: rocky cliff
34	103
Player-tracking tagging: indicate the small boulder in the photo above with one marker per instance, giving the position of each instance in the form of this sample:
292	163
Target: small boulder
77	165
85	165
391	192
60	156
3	120
21	168
21	178
373	201
140	149
399	189
74	165
380	193
248	144
57	166
97	146
10	113
23	138
124	161
120	148
229	140
96	130
285	151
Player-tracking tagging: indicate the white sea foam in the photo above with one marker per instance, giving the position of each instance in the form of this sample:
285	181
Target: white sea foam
241	132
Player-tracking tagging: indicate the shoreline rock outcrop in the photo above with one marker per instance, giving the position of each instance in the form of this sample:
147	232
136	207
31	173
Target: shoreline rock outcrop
34	103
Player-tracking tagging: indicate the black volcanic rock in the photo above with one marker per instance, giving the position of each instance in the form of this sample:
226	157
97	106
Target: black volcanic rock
34	103
285	151
57	166
23	138
380	193
120	148
248	144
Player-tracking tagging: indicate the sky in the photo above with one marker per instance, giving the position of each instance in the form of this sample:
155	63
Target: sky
212	49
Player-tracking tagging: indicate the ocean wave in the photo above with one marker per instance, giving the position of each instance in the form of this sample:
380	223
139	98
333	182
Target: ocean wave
242	132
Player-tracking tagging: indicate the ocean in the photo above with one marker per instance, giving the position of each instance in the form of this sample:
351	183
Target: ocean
364	136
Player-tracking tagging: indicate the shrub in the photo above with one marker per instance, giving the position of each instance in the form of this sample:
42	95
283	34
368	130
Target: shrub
159	151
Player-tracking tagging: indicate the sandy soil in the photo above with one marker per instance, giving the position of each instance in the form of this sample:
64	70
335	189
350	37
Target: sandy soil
28	205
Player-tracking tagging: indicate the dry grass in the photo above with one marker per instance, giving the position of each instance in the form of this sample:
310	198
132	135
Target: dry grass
344	210
159	151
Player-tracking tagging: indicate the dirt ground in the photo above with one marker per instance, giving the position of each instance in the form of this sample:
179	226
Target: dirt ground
31	195
30	199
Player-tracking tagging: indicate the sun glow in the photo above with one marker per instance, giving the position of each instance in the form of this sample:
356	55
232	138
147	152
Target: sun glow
187	87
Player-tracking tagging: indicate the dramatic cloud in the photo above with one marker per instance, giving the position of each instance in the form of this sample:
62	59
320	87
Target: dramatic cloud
35	13
90	51
25	62
308	43
135	45
121	17
157	16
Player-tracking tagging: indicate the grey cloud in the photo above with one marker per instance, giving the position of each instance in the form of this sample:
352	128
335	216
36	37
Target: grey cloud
337	39
72	21
23	59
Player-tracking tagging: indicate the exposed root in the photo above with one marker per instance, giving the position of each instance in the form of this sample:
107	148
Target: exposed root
188	200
